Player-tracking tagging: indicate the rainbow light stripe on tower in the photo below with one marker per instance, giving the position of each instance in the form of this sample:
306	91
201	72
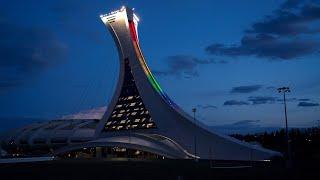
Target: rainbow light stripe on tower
145	67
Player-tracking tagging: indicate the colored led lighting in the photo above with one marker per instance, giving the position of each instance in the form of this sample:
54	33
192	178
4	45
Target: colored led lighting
145	67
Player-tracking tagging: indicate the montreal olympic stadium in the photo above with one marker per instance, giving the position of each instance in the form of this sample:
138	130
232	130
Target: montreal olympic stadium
141	121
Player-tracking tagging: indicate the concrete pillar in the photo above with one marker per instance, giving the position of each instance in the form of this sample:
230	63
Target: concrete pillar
98	152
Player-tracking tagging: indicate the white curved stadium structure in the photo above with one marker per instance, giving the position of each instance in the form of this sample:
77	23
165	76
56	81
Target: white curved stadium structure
140	122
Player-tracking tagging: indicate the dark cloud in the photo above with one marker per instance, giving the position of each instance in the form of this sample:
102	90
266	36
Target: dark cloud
235	103
184	66
253	100
8	83
307	104
280	36
207	106
256	100
304	99
288	23
246	123
271	88
290	4
287	100
244	127
267	46
25	52
246	89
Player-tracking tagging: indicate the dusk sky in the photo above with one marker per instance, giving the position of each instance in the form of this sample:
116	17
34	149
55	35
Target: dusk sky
225	57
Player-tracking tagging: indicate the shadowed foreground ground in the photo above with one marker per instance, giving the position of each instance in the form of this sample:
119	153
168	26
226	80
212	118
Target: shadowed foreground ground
163	169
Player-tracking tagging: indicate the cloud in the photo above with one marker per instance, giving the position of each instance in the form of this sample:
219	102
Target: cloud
280	36
288	99
290	4
256	100
235	102
246	89
25	52
271	88
287	23
184	66
267	46
8	83
243	127
95	113
246	123
252	100
307	104
207	106
304	99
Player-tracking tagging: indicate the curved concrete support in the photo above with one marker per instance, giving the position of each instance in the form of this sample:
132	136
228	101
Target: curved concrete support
143	142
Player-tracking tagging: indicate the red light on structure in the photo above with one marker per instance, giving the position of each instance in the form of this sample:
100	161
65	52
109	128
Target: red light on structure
133	31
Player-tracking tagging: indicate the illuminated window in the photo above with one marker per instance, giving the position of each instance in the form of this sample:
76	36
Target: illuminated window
132	104
131	112
149	125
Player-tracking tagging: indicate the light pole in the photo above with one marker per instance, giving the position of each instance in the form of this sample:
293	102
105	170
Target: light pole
285	90
195	133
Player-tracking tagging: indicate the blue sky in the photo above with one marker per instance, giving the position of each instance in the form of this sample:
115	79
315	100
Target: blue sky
227	57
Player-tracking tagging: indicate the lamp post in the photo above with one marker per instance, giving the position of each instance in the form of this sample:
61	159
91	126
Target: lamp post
285	90
194	110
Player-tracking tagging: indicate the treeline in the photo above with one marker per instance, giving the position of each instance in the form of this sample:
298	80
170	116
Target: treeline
304	143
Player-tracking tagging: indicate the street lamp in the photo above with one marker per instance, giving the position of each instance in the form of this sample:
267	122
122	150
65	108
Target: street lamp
195	133
285	90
